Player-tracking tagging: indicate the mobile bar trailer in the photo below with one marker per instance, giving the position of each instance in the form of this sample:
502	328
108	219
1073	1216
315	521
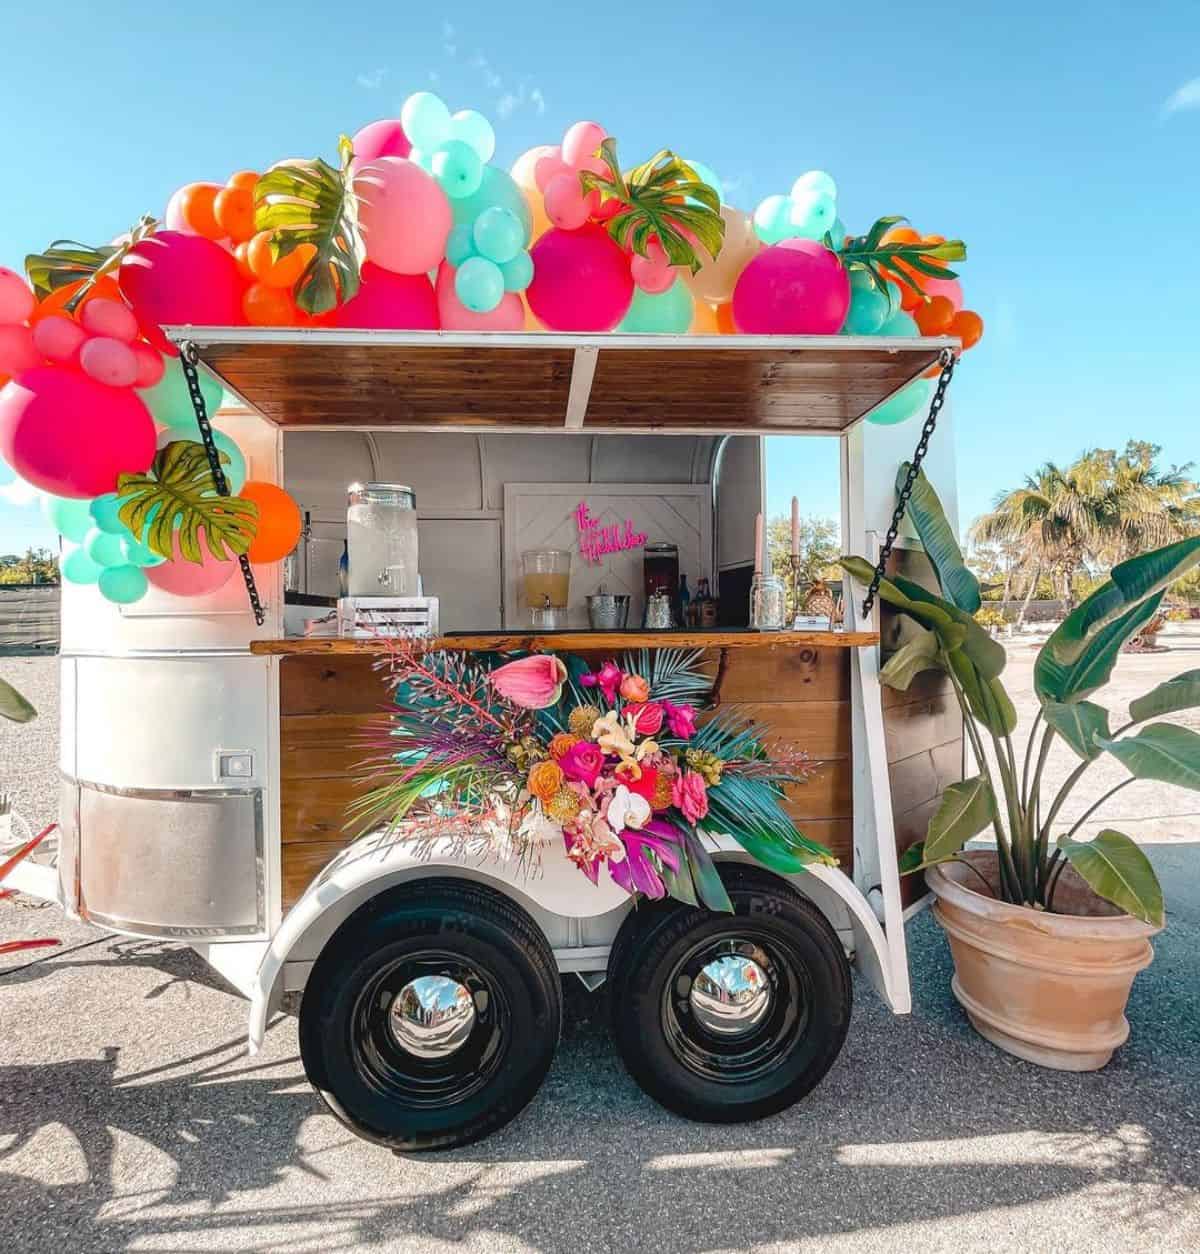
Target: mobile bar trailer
208	758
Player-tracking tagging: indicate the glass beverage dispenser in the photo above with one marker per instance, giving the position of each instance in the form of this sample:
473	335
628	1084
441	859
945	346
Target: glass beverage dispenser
381	536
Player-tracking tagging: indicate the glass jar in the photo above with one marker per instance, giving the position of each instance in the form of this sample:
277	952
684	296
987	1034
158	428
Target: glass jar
660	570
768	603
547	575
381	540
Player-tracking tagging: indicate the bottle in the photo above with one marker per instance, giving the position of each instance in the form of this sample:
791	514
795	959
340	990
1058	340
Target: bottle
344	570
685	602
708	608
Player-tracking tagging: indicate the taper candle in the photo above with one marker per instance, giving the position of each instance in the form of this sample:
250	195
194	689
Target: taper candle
758	544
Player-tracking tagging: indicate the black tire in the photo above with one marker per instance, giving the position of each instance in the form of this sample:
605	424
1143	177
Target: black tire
511	1020
773	1060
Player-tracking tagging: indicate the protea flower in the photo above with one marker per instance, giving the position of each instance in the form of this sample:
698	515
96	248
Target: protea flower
534	682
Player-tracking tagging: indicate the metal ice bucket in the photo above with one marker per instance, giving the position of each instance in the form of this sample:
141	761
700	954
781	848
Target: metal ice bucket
607	611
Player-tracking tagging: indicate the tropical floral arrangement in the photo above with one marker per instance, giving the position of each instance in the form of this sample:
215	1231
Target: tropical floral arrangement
619	763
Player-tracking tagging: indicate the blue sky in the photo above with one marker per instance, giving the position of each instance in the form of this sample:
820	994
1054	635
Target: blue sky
1059	140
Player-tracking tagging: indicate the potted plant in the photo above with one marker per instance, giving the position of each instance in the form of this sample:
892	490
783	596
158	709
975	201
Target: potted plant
1048	930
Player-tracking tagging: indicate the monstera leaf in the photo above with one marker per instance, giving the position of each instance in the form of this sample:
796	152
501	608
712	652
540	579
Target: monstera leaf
1079	723
13	705
882	261
925	510
1114	868
662	198
310	202
177	497
67	261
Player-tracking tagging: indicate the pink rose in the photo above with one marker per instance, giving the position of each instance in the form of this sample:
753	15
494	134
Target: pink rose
583	762
635	688
534	682
689	795
607	679
681	719
647	718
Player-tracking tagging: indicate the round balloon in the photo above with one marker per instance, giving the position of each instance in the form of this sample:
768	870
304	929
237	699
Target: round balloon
951	289
796	287
108	361
581	280
124	584
103	547
425	119
60	338
404	215
524	177
105	516
509	314
279	521
17	350
518	273
76	567
581	141
385	138
912	399
471	127
870	306
479	284
71	518
17	300
170	401
182	578
499	234
386	299
457	168
139	554
173	278
773	219
497	190
664	313
109	318
460	244
715	280
234	463
49	419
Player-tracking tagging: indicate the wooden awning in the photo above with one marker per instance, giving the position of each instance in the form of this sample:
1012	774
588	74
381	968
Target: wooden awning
615	384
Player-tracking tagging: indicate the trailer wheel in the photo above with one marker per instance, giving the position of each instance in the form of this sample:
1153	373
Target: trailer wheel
726	1018
431	1017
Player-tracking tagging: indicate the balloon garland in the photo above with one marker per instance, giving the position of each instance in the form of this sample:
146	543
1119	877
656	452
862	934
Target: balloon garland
413	228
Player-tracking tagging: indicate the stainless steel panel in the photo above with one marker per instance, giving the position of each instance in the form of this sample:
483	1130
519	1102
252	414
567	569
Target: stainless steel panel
172	864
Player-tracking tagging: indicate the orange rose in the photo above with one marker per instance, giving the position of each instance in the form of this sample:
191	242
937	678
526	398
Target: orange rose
561	743
635	688
545	779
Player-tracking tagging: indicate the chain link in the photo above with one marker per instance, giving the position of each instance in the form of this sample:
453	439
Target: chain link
947	360
189	357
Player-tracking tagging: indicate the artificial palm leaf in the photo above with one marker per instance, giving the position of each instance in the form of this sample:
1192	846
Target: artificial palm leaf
671	673
750	811
178	498
67	261
662	199
885	261
310	202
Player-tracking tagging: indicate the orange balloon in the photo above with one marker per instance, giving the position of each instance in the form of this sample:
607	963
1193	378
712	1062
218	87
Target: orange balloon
196	207
269	306
704	319
900	235
968	326
240	255
725	323
233	208
245	179
281	273
104	288
278	521
934	315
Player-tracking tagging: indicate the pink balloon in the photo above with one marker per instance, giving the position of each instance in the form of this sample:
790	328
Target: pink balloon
509	314
17	350
182	578
173	217
950	288
385	138
548	167
404	215
581	280
109	361
150	366
69	435
581	142
652	273
566	205
59	338
16	297
401	301
110	318
177	279
796	287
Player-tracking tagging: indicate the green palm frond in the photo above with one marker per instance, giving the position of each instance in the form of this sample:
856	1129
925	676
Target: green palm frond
311	202
749	810
661	198
68	261
671	673
882	261
177	497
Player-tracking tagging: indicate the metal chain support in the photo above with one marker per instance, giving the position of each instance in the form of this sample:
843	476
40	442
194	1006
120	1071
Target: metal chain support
189	356
947	361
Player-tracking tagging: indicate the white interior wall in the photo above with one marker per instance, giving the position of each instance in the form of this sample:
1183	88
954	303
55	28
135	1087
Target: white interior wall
740	495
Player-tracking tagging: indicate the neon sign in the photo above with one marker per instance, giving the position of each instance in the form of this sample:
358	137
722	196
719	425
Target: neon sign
595	539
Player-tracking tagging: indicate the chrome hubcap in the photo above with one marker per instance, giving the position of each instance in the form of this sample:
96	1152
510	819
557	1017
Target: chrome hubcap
432	1016
731	995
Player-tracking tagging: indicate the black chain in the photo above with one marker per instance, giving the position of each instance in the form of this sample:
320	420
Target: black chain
947	360
189	356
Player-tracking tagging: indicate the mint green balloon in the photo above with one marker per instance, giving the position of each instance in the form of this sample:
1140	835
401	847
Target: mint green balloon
235	467
869	306
103	547
105	516
474	129
77	567
138	554
459	246
170	402
707	176
457	168
479	284
912	399
812	215
497	190
425	119
899	324
498	234
518	273
70	517
772	219
662	313
814	181
123	584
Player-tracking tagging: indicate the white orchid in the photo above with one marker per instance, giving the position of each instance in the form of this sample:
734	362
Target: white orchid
627	809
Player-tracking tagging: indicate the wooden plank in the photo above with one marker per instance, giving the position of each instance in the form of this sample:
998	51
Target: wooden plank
803	674
321	685
821	728
314	746
921	726
771	642
302	863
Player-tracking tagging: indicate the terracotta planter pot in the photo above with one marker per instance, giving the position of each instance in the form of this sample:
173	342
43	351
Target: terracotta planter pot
1050	988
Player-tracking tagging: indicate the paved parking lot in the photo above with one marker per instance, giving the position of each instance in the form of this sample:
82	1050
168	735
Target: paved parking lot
132	1119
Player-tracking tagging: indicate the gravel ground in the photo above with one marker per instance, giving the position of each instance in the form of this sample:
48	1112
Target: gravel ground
131	1119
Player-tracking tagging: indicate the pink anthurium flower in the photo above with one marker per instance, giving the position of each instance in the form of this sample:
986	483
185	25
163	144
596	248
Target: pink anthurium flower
534	682
607	679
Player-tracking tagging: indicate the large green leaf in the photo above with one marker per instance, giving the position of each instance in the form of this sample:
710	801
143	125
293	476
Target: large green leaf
663	198
882	261
922	653
309	202
13	706
925	510
1114	868
966	809
1161	751
1079	723
1089	668
933	613
705	877
987	654
177	498
988	700
67	261
1180	693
